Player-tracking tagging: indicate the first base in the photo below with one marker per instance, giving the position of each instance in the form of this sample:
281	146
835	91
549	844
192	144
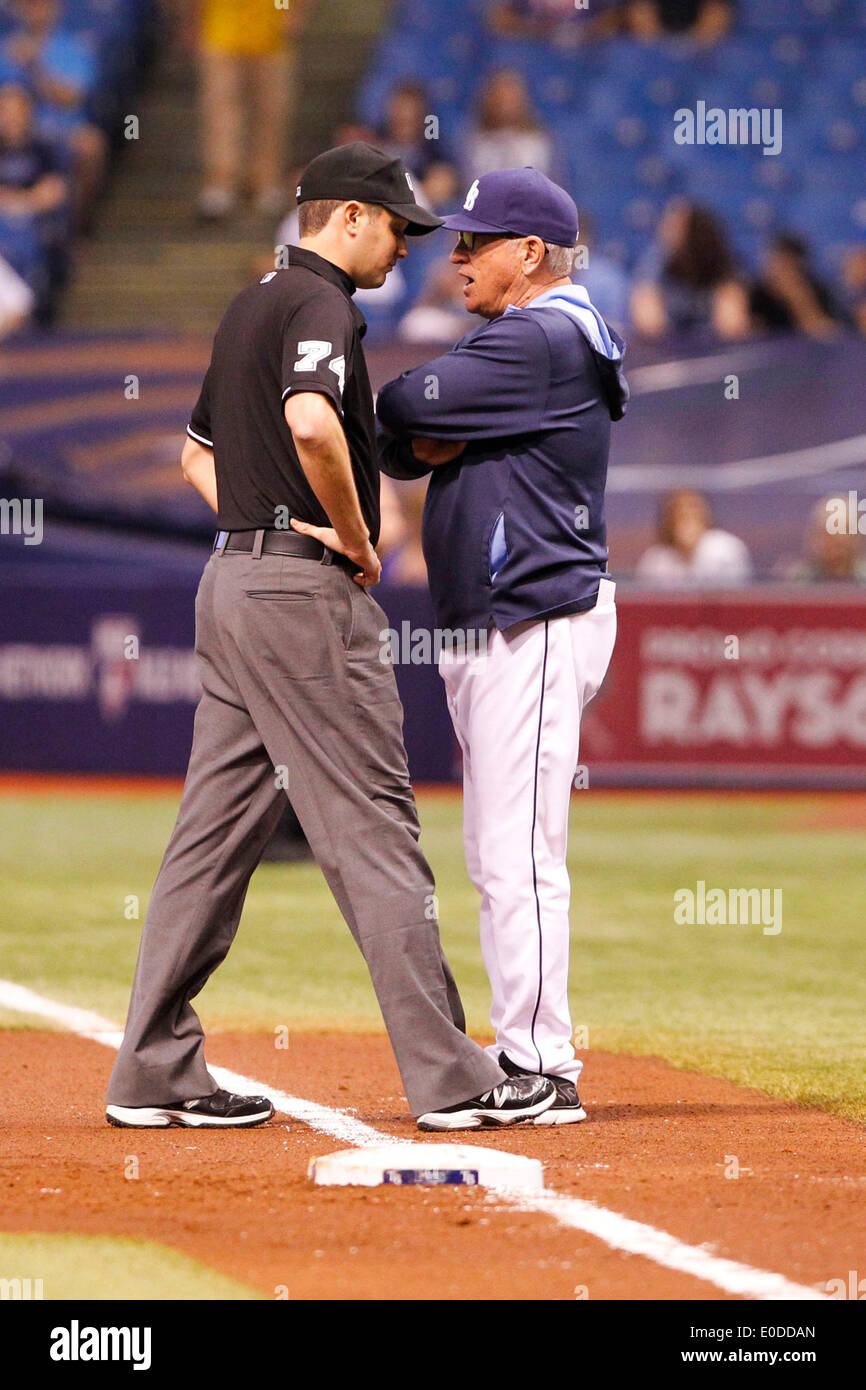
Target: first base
427	1165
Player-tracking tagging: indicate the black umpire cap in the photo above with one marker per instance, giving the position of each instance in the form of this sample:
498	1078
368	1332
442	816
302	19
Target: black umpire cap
358	171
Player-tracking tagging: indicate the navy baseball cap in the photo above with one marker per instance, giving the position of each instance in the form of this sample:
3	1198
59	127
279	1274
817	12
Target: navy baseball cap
522	201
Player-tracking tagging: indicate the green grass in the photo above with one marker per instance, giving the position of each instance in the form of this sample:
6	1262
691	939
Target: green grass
784	1013
107	1267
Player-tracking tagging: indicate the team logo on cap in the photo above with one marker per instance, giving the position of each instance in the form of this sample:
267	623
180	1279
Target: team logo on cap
471	197
410	183
298	194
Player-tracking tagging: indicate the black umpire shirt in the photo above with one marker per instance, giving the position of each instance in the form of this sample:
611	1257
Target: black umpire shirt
296	330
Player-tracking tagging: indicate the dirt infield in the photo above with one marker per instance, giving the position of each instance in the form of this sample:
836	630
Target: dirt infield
657	1148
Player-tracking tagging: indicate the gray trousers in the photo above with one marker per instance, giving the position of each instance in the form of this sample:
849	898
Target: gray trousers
294	689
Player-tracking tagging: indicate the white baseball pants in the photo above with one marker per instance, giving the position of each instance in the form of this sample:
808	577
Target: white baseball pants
516	709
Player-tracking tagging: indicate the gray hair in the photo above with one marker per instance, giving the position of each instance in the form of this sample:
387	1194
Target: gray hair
560	259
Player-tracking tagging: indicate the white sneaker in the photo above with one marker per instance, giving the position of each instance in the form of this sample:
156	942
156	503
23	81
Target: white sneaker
519	1098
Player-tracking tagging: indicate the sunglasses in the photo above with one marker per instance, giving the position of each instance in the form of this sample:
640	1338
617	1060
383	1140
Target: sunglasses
469	240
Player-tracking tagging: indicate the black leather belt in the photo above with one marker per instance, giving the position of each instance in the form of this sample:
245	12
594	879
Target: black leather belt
263	542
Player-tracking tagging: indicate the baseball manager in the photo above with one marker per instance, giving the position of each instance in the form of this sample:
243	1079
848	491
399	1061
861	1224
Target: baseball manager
515	425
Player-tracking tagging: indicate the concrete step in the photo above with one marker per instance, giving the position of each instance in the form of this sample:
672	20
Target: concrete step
150	262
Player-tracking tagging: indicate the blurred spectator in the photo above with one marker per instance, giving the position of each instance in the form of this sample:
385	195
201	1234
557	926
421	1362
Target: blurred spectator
508	135
439	314
604	280
32	188
789	296
705	21
687	280
60	69
440	187
17	300
405	137
854	286
246	69
406	564
830	556
393	529
690	550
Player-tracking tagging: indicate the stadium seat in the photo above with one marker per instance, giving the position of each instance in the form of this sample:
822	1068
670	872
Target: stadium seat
610	106
791	52
791	14
827	132
834	174
830	216
435	17
842	60
444	73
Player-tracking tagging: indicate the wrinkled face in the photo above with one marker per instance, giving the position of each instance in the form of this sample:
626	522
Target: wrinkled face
379	242
16	114
491	271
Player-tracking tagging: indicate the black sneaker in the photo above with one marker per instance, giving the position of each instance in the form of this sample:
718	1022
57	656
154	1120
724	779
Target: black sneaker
566	1108
518	1098
218	1111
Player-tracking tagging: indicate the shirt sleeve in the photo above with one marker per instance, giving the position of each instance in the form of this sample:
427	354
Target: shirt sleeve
199	427
396	457
317	344
493	385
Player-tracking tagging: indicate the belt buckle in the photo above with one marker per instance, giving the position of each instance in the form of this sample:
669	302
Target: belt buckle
221	542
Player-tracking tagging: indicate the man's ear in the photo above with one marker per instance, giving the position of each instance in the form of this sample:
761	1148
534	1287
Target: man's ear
533	254
352	215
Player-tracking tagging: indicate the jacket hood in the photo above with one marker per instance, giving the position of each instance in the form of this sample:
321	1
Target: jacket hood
608	348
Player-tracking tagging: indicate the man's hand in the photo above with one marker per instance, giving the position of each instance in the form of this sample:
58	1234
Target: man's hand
363	555
437	451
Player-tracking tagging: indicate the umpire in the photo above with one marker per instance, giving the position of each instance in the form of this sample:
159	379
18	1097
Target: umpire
295	697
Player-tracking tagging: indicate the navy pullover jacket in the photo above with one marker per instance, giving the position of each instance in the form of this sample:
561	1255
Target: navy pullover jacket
514	528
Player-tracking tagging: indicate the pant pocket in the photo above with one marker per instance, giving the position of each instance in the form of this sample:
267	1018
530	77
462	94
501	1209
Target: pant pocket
291	632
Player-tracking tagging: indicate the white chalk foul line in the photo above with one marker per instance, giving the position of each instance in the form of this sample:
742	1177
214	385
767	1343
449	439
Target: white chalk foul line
89	1025
635	1237
619	1232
